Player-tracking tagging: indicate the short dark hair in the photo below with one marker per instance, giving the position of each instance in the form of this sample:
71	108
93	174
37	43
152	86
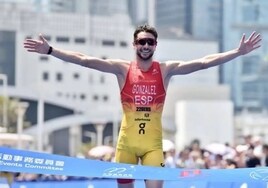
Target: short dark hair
145	28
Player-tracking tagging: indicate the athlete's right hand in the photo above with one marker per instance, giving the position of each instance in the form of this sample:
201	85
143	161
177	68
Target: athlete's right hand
39	46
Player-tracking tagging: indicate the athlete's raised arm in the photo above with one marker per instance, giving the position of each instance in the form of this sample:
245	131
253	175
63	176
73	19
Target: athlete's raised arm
245	46
42	46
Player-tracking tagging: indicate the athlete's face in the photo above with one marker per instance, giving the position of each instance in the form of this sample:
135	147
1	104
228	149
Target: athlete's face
145	45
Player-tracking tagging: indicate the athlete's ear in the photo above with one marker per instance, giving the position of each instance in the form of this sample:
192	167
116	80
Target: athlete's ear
134	45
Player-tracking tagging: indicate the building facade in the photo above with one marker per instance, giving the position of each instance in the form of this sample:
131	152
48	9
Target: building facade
247	76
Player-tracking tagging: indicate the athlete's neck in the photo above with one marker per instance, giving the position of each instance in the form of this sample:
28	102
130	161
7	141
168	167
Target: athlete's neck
144	65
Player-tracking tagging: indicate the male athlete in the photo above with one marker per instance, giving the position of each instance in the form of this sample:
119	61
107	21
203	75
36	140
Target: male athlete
143	84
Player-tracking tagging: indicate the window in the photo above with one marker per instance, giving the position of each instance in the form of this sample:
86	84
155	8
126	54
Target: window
59	77
80	40
45	76
76	76
123	44
105	98
28	37
102	79
43	58
250	91
108	43
48	38
82	96
250	65
95	97
62	39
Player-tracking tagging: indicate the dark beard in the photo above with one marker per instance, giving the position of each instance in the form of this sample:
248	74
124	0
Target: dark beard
146	58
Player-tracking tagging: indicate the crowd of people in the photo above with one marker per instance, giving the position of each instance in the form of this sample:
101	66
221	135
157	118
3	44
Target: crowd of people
252	153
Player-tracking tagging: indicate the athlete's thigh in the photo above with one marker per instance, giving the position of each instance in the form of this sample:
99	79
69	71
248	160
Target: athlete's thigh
125	156
153	158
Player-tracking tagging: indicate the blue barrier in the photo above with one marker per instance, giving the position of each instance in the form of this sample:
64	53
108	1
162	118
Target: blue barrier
12	160
66	184
100	183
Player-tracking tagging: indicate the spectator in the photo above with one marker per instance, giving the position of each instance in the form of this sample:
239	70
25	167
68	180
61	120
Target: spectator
231	164
252	160
264	158
170	158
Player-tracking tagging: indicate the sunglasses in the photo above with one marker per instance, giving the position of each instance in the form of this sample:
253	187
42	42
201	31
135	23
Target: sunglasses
149	41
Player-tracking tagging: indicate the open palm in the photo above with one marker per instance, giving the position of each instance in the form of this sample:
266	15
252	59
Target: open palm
250	44
40	46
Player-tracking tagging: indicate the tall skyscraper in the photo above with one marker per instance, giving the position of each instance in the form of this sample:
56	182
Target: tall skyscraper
246	75
169	17
180	18
138	11
204	19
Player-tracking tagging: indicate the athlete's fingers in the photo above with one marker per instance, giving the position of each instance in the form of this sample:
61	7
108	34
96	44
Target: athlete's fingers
31	41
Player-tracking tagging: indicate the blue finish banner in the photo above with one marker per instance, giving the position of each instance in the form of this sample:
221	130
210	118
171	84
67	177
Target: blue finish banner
13	160
110	183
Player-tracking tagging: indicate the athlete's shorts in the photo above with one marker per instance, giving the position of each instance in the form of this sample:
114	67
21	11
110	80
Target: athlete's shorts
151	158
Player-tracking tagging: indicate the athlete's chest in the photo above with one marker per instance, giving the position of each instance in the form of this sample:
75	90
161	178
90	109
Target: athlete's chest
143	88
146	79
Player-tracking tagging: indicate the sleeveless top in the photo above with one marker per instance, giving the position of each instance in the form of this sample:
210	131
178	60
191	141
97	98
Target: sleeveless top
142	99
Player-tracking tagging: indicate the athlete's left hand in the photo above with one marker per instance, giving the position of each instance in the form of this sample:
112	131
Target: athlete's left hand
250	44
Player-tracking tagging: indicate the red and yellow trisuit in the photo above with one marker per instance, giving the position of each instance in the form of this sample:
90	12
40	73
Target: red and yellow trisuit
142	98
